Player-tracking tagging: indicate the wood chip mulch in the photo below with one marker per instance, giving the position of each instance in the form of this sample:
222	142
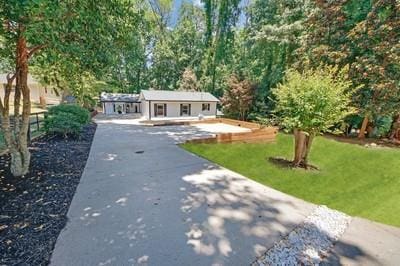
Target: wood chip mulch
33	208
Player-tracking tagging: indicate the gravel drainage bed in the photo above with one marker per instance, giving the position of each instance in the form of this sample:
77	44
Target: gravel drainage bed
33	208
310	242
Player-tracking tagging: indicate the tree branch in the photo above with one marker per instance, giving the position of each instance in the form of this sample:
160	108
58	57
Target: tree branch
11	77
35	49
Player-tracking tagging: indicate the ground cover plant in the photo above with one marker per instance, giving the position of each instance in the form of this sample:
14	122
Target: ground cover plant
357	180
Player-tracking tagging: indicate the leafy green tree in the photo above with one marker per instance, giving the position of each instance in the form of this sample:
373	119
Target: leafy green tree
363	35
311	102
377	64
180	48
31	31
221	18
265	47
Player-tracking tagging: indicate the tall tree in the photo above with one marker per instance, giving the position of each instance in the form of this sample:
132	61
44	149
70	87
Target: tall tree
377	64
29	27
267	43
363	35
221	18
181	48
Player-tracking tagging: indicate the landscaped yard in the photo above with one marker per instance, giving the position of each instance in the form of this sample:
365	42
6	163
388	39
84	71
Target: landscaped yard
357	180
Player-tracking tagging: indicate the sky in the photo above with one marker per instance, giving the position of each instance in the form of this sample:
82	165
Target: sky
177	5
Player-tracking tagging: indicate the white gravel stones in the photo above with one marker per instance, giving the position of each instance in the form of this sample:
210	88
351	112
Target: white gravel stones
310	242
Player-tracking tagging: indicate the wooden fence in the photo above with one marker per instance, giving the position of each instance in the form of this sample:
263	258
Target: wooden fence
258	133
35	124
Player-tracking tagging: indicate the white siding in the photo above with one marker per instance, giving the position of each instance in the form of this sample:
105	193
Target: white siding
173	109
145	109
36	91
109	108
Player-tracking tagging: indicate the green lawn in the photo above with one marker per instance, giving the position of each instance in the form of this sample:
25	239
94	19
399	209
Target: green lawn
356	180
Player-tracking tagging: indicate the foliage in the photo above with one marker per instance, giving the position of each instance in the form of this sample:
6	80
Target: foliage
350	181
274	31
84	44
238	97
177	49
221	18
377	64
363	35
81	115
189	81
62	124
66	120
314	100
311	102
383	126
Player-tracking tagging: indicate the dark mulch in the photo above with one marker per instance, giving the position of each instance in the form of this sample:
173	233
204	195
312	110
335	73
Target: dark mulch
367	141
33	208
284	163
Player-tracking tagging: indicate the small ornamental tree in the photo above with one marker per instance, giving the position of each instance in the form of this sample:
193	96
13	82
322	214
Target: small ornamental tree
311	102
238	97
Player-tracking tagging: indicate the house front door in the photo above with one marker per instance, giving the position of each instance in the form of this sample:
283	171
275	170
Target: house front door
119	108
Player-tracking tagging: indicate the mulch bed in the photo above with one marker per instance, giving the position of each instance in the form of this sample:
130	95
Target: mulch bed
33	208
366	141
284	163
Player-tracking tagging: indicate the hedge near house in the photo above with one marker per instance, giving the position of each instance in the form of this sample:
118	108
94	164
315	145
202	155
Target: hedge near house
311	102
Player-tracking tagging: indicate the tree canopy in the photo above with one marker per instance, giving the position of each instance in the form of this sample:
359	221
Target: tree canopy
83	47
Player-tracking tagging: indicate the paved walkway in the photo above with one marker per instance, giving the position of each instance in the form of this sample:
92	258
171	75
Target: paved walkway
143	200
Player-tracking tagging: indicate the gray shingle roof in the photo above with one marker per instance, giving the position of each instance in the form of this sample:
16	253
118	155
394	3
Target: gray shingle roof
179	96
118	97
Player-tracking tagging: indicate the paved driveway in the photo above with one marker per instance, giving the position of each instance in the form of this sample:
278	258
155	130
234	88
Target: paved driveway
144	200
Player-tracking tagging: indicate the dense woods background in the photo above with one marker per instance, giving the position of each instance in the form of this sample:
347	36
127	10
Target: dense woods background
238	50
215	44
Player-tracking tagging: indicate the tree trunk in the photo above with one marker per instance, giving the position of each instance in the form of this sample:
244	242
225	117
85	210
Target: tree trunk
302	147
395	128
361	134
20	155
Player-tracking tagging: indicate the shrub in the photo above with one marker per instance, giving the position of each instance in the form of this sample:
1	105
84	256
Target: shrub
383	125
81	114
66	120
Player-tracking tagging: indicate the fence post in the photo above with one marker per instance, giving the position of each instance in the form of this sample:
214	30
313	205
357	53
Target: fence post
37	121
29	133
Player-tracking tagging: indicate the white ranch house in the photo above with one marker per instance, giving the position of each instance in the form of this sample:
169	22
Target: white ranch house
158	105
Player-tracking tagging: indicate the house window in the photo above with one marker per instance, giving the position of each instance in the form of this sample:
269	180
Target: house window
205	107
160	109
185	109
